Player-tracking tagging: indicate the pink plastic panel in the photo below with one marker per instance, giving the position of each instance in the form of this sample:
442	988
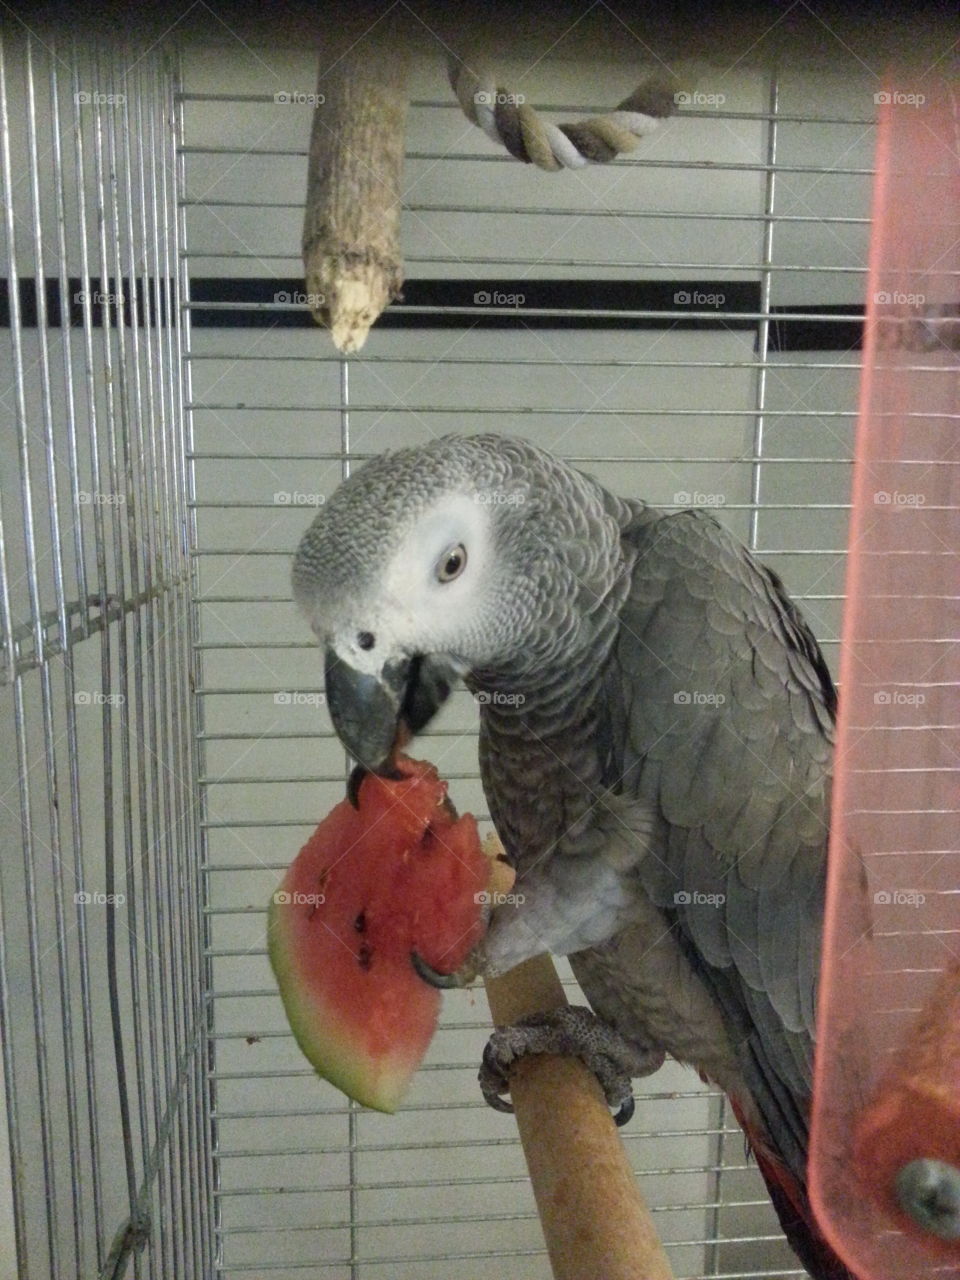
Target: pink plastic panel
891	965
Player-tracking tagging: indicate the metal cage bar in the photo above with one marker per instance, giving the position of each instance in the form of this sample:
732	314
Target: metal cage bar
101	1009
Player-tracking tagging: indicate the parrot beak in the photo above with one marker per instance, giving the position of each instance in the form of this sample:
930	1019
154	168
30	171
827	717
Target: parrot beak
374	716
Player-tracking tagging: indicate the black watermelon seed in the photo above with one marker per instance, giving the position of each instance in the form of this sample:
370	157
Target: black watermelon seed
360	923
365	956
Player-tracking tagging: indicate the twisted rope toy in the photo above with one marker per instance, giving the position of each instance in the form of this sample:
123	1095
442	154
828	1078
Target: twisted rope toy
508	121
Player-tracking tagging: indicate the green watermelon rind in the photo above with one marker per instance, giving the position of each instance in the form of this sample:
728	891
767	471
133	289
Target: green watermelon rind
337	1056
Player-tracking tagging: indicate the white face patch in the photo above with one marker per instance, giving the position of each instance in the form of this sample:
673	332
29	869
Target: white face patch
425	613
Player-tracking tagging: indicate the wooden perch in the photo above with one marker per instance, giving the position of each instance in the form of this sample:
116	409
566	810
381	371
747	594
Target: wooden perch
594	1218
351	242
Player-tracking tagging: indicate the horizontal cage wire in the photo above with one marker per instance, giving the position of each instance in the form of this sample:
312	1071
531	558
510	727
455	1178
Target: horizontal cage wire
687	329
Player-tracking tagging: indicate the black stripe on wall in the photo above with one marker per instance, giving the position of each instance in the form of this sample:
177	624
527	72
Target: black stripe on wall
261	303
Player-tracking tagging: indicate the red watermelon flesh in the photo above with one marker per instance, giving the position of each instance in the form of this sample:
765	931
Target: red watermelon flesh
371	885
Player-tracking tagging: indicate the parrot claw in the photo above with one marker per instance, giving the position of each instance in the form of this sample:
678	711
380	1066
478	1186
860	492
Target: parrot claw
570	1031
357	775
461	977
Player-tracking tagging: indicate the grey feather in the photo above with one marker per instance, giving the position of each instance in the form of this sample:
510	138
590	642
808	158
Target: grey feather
743	927
741	785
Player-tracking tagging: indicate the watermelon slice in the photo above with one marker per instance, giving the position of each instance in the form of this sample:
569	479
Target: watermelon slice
372	885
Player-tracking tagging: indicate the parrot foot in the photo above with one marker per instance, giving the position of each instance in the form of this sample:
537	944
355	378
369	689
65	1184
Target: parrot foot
571	1031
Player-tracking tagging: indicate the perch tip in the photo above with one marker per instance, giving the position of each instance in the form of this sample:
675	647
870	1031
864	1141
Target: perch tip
352	310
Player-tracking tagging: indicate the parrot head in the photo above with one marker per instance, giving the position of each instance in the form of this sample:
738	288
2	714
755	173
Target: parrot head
399	576
434	563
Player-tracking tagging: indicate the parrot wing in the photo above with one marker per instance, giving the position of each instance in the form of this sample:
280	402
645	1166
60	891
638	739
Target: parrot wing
720	713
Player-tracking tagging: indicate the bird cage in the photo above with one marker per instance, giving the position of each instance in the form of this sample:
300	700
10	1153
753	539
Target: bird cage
684	323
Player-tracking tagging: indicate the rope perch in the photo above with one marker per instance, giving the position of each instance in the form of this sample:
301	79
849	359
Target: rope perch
507	120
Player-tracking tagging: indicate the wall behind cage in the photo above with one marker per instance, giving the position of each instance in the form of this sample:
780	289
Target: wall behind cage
750	414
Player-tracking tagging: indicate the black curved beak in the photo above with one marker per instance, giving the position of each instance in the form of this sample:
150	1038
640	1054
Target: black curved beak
375	715
365	709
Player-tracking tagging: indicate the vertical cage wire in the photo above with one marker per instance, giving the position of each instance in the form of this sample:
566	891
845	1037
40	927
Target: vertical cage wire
35	631
101	981
183	472
725	1123
353	1135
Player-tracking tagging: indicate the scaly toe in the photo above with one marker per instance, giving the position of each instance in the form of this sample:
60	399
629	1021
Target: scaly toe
573	1032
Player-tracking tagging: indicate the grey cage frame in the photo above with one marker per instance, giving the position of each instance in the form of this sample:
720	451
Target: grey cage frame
159	692
102	953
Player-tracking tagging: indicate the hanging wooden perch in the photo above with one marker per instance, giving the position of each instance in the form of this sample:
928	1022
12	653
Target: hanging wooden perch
351	231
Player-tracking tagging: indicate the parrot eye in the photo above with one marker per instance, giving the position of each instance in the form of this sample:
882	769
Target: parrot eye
452	563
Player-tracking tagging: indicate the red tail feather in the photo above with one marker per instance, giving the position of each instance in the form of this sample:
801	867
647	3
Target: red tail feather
792	1204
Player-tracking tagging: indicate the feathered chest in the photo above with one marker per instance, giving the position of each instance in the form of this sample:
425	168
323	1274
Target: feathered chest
542	775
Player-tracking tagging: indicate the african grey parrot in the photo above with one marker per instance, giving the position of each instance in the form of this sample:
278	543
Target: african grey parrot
656	725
